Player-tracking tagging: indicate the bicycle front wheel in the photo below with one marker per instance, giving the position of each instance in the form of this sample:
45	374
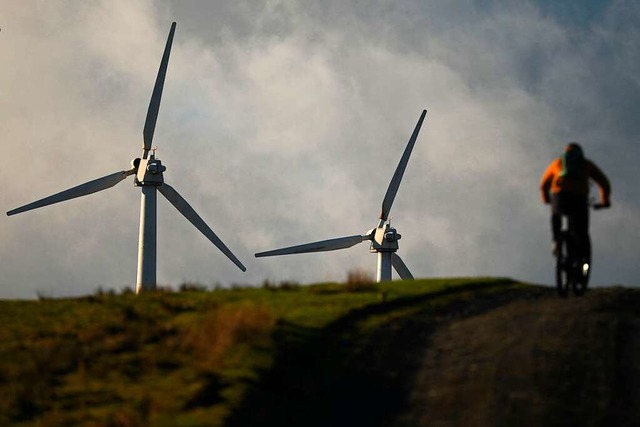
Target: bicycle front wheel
583	270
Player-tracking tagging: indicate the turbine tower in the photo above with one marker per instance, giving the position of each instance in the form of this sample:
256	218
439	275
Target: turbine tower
148	172
384	238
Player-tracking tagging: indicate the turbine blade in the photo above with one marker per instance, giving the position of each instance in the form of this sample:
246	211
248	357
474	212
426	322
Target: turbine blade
400	267
78	191
154	105
321	246
397	176
188	212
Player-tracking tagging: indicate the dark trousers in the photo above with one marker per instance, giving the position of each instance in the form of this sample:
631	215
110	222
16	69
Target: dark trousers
576	208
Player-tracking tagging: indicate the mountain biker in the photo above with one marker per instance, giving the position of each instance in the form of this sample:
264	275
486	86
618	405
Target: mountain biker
565	184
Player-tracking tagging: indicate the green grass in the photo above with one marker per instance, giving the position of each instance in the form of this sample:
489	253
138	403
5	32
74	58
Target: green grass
192	358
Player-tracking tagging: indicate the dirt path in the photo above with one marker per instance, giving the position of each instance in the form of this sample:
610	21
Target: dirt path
471	357
546	361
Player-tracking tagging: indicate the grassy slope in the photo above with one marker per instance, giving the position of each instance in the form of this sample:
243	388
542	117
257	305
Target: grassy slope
317	355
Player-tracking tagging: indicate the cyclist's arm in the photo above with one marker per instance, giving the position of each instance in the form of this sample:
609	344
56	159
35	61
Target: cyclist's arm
545	182
603	183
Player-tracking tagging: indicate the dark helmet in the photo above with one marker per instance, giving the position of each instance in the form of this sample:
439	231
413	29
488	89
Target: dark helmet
573	162
574	146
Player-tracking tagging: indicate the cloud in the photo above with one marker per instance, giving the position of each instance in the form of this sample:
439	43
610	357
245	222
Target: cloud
282	123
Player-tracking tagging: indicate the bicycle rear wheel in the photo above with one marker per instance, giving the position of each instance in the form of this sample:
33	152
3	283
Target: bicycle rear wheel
564	270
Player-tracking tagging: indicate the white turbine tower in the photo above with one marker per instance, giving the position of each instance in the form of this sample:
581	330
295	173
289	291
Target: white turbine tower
148	176
384	238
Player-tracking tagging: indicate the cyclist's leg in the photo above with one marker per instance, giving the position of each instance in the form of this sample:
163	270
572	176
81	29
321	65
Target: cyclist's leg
556	219
563	247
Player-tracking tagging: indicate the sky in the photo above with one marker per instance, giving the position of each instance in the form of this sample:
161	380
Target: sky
282	123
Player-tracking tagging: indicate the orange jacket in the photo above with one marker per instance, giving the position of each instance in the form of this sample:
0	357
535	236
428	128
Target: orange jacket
552	181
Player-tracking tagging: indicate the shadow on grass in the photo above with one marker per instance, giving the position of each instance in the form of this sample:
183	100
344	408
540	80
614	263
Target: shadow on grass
208	395
341	376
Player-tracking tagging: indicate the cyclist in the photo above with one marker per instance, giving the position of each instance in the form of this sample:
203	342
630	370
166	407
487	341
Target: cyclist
567	179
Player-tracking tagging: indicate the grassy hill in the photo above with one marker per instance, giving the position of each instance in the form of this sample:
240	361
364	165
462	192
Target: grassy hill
426	352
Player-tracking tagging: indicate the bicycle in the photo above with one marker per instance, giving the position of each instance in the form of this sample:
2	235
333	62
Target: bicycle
573	263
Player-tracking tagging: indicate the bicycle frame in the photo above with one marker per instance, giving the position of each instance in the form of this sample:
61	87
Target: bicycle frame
572	268
573	264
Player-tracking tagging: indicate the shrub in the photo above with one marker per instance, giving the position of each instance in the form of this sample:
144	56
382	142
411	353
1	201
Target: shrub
285	285
192	287
101	292
288	285
359	281
44	295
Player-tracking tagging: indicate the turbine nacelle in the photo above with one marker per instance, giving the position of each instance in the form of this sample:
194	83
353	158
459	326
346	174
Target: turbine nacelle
149	172
385	239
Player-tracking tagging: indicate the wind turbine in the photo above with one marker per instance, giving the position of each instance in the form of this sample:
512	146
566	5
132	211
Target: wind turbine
148	176
384	238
